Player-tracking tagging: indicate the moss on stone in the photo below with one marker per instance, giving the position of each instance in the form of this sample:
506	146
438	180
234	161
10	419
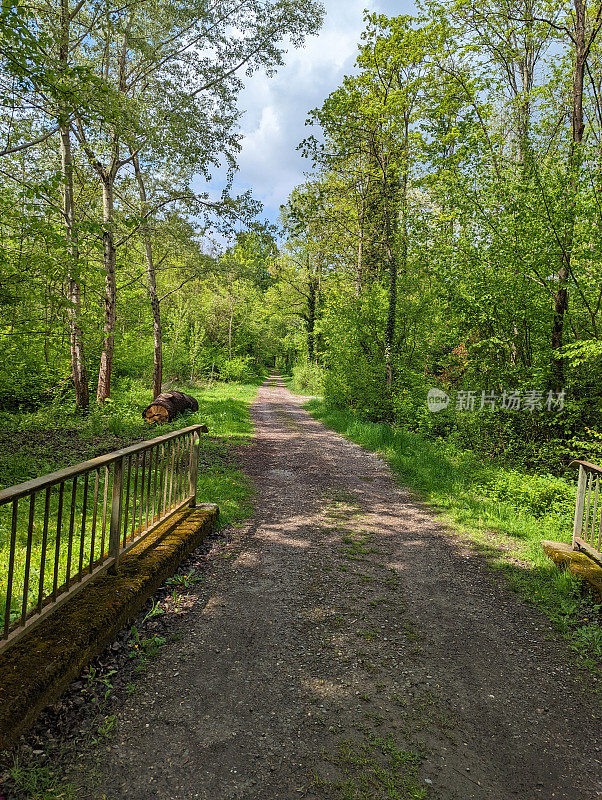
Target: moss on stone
577	563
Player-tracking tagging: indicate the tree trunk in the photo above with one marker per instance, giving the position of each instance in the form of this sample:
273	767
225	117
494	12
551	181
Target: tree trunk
391	311
360	247
110	300
526	70
311	319
230	329
76	341
392	208
152	286
78	364
168	405
561	300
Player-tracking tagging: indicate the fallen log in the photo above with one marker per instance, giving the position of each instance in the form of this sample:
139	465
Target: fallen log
168	405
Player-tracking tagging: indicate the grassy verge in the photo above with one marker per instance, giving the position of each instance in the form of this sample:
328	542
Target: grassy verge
504	512
54	437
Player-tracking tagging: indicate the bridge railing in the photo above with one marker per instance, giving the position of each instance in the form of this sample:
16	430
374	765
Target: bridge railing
587	529
62	529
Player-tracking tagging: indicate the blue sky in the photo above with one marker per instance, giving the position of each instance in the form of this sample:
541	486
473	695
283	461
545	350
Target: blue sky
274	110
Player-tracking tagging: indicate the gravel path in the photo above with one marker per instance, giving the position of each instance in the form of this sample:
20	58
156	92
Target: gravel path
346	646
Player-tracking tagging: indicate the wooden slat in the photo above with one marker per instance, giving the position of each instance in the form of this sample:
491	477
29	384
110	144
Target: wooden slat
587	465
588	497
184	467
127	501
142	487
82	533
57	543
166	461
579	503
176	489
583	545
591	536
71	528
194	469
94	516
148	485
176	493
135	498
171	472
116	511
44	545
11	567
157	468
30	521
105	505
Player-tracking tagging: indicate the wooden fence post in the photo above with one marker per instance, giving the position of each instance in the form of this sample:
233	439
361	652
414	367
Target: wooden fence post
194	468
579	506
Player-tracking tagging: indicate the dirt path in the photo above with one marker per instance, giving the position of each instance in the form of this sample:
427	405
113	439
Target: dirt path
341	638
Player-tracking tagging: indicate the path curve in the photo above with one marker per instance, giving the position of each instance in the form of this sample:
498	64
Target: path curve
341	630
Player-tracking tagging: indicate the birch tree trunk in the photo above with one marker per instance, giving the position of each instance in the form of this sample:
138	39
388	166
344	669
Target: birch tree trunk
76	342
108	177
110	299
152	285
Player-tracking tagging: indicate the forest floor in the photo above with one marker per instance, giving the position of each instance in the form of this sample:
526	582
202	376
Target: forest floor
342	644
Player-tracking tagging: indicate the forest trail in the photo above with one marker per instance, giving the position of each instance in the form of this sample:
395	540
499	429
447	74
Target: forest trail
340	631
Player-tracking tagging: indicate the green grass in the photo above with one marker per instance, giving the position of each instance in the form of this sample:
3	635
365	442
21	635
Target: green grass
373	768
222	407
49	439
504	512
34	782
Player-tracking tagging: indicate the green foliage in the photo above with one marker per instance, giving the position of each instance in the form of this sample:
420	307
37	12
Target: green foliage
308	379
540	495
243	370
446	191
109	125
187	581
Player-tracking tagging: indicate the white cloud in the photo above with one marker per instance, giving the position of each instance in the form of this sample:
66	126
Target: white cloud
275	109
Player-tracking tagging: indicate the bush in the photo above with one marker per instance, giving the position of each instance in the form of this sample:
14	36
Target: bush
308	379
359	386
538	494
243	370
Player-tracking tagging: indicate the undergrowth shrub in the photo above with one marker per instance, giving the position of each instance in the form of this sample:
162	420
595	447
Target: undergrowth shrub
243	369
538	494
308	378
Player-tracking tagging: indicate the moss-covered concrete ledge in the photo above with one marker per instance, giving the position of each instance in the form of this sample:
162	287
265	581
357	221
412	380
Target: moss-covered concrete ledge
36	670
577	563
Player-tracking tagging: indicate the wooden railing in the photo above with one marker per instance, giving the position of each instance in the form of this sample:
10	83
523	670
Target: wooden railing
62	529
587	530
